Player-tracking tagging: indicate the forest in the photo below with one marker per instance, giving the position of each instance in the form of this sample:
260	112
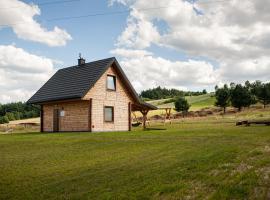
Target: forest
164	93
242	95
17	111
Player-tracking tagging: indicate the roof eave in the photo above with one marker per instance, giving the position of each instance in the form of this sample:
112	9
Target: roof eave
48	101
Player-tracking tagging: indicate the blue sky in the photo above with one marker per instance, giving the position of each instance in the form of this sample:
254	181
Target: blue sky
189	45
94	37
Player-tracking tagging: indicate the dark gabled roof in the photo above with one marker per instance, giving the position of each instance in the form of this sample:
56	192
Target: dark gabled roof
74	82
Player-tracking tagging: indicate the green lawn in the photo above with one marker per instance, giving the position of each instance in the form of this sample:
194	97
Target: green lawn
192	160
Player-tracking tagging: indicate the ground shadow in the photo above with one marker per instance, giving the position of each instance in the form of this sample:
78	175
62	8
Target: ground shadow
155	129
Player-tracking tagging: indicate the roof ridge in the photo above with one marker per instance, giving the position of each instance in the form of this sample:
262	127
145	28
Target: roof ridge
72	81
89	63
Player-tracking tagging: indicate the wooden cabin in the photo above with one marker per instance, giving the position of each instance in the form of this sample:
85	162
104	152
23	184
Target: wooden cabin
92	97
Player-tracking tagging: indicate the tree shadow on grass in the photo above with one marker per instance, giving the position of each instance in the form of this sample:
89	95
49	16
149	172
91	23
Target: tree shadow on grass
155	129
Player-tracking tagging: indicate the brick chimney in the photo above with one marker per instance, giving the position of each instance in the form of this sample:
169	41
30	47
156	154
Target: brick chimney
81	61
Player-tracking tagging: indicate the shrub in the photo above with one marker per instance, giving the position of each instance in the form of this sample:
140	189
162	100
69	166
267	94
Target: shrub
4	120
10	116
181	104
17	115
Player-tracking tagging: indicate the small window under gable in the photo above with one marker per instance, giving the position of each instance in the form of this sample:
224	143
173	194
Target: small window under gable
108	114
111	82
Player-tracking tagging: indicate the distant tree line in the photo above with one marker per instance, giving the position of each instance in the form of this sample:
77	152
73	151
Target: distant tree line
163	93
16	111
240	96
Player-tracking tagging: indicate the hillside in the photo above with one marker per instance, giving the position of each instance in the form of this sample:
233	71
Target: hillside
196	102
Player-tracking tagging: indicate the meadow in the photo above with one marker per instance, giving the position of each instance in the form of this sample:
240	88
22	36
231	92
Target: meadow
208	158
193	158
196	103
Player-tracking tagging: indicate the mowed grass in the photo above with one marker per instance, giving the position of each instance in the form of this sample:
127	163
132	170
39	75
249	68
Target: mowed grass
190	160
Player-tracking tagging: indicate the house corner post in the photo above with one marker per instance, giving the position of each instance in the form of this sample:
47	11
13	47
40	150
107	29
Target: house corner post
41	119
90	115
129	116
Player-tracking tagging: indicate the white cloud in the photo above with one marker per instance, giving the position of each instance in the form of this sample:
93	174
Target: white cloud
235	34
20	17
247	69
21	73
139	33
124	2
128	53
157	71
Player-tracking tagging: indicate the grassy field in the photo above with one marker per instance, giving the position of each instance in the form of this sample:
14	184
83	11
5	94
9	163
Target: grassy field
196	102
202	101
194	159
17	128
30	120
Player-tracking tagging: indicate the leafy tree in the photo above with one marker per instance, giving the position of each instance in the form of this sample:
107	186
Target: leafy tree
181	104
267	93
17	115
204	91
6	120
10	116
3	119
248	85
240	96
222	97
262	92
252	98
232	85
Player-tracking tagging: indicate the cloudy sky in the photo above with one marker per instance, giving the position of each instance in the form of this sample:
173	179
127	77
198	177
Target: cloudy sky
188	45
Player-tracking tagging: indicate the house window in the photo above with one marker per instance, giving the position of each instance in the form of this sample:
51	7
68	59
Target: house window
108	114
111	82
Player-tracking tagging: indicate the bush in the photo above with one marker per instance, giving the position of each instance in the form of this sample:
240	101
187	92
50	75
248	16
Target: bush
181	104
10	116
4	120
17	115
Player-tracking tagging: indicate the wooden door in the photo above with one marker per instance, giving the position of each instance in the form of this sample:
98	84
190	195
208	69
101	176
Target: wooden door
56	120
